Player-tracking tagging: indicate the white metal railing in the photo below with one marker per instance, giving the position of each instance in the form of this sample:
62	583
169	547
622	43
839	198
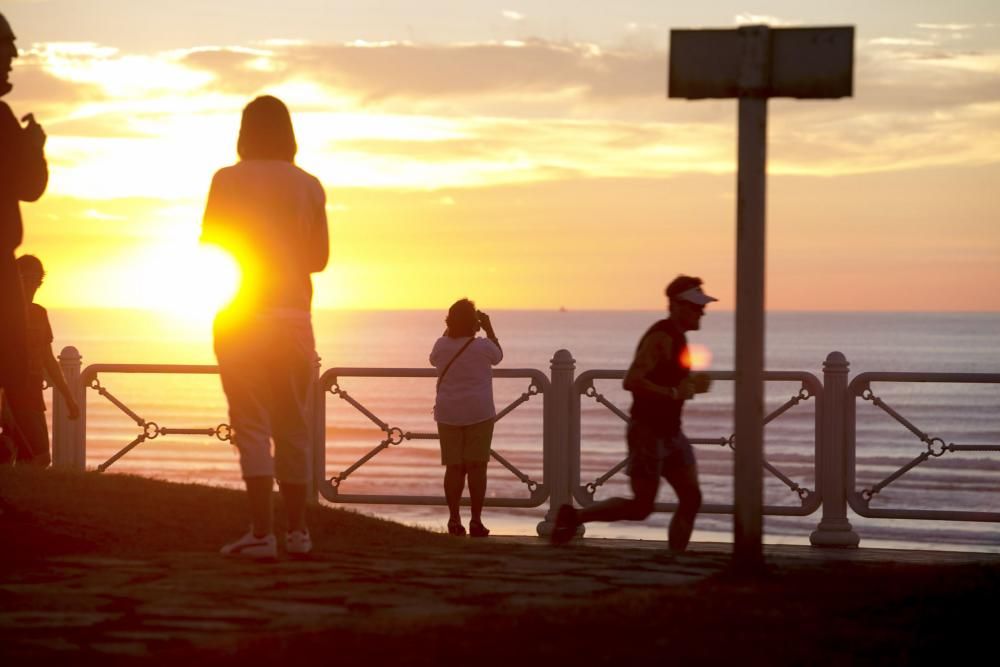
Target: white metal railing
329	384
833	443
934	446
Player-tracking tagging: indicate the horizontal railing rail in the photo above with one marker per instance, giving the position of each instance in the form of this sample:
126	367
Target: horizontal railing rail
148	429
934	446
810	387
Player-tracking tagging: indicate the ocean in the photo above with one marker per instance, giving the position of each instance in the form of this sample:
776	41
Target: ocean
910	342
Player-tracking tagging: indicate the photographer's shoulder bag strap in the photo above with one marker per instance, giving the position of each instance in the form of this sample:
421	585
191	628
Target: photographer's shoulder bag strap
457	354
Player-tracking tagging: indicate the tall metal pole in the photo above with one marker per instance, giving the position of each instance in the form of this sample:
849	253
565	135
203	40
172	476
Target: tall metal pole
748	518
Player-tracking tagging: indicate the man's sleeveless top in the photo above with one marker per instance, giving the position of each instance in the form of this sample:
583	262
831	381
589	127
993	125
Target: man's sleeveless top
661	414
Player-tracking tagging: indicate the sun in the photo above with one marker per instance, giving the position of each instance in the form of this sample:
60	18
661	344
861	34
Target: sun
190	282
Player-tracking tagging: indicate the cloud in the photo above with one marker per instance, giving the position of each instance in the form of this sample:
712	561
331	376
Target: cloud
747	18
239	70
511	15
408	115
534	66
900	41
956	27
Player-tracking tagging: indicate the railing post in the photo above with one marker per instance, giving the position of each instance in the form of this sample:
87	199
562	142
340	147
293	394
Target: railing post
556	437
69	436
317	433
834	530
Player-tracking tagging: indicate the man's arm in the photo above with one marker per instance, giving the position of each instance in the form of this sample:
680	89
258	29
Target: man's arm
32	170
23	171
658	346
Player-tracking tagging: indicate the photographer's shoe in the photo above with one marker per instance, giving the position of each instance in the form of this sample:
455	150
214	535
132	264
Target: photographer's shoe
477	529
456	528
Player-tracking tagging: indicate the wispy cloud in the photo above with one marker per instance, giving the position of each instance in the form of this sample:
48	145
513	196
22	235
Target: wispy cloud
747	18
956	27
512	15
900	41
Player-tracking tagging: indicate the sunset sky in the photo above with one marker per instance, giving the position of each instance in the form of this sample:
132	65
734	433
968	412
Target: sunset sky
523	154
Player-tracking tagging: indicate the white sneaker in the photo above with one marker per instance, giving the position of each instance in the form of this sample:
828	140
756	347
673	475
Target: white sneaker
298	542
250	546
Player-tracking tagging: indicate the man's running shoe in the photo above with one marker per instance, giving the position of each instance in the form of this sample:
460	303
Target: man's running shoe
566	525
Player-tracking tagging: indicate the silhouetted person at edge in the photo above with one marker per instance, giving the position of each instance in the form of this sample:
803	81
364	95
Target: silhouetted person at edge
271	216
24	412
464	409
23	177
660	381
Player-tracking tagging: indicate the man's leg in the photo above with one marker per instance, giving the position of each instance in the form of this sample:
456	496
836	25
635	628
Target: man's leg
637	508
36	431
644	472
19	448
684	480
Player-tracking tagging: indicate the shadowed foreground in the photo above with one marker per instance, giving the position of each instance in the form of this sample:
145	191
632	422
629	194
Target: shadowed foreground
106	568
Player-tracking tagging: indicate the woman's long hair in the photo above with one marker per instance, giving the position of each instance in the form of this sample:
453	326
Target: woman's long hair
266	131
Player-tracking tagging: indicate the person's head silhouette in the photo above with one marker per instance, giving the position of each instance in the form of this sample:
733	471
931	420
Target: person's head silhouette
462	319
32	274
266	131
8	51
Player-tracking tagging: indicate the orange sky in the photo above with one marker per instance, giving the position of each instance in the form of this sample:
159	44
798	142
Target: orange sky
526	170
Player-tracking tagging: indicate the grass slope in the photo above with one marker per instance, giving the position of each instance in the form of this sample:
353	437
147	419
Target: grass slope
799	613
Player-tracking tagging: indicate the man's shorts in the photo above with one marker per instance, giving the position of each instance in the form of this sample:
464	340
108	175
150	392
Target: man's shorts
653	455
465	444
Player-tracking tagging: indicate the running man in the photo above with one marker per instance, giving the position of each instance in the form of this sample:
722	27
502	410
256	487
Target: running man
660	380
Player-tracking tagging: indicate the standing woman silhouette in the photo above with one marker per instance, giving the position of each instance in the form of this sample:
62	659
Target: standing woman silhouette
271	216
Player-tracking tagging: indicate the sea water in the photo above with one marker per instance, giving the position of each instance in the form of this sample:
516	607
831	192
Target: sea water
966	414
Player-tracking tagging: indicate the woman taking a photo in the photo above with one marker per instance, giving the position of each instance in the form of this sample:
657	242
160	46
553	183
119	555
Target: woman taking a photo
464	409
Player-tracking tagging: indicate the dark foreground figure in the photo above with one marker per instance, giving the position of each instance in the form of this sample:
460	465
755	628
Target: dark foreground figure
661	381
24	410
23	177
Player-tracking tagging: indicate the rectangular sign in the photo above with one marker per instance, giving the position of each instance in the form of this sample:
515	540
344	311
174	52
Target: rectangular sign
807	63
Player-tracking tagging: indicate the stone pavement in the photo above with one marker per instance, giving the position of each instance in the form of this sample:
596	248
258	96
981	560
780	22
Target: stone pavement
99	608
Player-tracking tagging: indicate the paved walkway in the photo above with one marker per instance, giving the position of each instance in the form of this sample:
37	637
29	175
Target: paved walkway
98	607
